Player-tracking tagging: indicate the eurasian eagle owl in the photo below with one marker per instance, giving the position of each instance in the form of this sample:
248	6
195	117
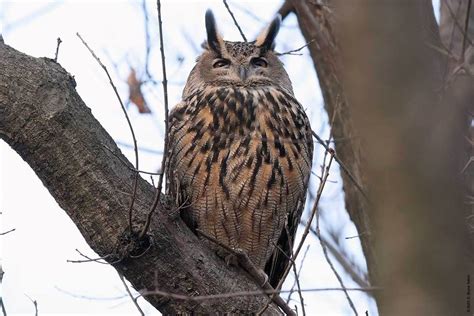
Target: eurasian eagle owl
241	149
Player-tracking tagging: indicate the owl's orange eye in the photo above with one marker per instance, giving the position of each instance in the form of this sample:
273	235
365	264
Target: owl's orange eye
259	62
219	63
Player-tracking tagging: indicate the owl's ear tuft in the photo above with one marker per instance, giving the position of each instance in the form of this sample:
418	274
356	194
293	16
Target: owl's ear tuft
214	39
265	40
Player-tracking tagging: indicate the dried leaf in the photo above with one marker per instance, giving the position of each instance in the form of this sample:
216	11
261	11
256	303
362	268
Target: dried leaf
135	92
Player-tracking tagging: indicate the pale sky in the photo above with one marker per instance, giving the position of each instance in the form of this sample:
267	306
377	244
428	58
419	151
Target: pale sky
34	257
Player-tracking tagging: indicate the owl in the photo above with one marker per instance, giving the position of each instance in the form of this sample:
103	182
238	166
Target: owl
240	149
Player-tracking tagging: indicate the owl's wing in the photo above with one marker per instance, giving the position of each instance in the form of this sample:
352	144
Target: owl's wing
177	120
279	260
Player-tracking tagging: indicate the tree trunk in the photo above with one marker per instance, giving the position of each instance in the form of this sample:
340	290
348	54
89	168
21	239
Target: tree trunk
457	35
401	138
317	24
45	121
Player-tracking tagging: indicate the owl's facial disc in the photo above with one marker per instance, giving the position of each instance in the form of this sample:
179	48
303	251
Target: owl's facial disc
241	70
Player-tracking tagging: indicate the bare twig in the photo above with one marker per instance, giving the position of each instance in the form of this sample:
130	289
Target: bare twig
134	299
86	297
297	279
165	150
57	49
313	213
247	293
331	265
298	274
135	182
456	21
293	51
348	266
258	275
466	28
88	259
8	231
147	40
140	149
341	164
4	311
323	181
35	303
125	163
286	9
235	21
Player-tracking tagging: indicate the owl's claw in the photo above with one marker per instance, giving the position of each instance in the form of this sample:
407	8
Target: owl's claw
231	260
264	276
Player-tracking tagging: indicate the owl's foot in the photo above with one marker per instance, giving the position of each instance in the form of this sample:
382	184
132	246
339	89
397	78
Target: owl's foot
229	258
263	276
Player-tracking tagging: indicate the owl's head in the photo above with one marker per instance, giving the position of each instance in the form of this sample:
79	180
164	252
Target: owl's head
245	64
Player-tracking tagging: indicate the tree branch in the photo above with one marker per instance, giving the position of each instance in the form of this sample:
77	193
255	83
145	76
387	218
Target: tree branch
45	121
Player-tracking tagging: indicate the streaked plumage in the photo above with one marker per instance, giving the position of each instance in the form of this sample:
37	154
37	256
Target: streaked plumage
240	149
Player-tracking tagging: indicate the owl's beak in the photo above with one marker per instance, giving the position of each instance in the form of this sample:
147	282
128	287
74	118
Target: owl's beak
243	73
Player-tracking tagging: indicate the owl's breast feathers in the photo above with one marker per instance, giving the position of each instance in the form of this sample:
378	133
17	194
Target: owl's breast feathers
239	162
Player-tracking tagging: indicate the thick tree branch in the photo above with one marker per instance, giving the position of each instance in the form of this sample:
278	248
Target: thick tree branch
412	138
45	121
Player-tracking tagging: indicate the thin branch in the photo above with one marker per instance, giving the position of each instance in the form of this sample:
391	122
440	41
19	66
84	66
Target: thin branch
125	163
85	297
313	212
88	259
4	311
341	164
293	51
140	149
35	303
235	21
57	49
322	183
331	265
8	231
297	279
248	293
456	22
298	274
135	181
165	150
348	266
286	9
147	40
134	299
258	275
466	28
291	259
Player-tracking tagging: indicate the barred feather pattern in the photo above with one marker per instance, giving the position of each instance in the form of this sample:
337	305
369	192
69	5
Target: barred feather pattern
239	164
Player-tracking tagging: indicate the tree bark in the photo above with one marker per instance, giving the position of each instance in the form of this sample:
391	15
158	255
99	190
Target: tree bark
45	121
401	138
413	143
457	35
317	25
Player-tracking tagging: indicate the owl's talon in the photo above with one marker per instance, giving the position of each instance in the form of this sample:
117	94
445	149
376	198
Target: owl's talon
231	260
265	278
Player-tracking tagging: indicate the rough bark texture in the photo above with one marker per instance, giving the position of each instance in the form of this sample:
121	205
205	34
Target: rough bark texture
399	128
459	80
45	121
412	143
317	25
